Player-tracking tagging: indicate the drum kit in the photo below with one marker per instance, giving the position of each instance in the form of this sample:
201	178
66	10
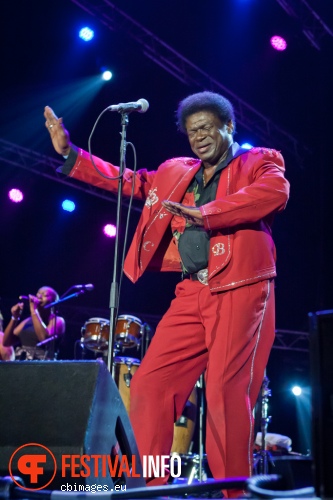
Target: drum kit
96	331
133	336
130	334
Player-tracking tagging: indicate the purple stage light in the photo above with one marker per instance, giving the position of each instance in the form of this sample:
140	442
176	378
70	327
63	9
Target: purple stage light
15	195
110	230
278	43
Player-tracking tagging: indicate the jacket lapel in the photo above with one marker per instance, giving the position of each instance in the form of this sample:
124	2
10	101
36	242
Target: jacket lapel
170	183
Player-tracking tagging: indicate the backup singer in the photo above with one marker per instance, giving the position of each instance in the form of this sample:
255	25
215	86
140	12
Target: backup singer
210	219
6	353
34	337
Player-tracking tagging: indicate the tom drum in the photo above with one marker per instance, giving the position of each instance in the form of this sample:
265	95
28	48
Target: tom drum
129	330
95	334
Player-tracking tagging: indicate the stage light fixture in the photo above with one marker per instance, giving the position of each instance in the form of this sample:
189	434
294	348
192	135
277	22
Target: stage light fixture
86	34
15	195
296	390
278	43
246	145
106	75
68	205
110	230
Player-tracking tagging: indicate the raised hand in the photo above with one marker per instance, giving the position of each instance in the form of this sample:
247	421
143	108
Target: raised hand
59	135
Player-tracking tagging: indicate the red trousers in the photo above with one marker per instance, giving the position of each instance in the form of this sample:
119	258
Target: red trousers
230	334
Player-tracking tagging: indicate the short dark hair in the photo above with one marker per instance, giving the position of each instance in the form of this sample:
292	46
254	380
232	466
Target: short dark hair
54	293
208	101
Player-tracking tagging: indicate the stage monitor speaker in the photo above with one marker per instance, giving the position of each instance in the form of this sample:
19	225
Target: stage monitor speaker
74	410
295	470
321	357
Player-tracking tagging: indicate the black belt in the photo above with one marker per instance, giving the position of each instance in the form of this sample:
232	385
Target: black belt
201	276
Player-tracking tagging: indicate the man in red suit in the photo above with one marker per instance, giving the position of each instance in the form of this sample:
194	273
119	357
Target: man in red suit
209	218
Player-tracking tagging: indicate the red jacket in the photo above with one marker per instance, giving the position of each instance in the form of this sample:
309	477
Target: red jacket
251	189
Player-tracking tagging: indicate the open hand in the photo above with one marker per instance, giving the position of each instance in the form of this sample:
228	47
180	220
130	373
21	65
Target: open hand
59	135
190	214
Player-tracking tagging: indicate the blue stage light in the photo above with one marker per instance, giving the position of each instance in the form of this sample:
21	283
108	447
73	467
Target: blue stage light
296	390
86	34
247	145
68	205
106	75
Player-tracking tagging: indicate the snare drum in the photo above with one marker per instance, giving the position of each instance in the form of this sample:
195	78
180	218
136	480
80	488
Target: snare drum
123	371
185	425
95	334
129	330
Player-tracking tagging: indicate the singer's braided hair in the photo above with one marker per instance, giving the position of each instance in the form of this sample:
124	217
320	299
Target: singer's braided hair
204	101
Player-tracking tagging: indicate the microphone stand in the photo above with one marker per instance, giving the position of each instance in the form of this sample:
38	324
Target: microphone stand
42	342
264	456
114	291
201	417
76	294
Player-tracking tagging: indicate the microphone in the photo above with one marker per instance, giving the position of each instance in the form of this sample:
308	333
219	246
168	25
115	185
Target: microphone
126	107
23	297
48	339
88	287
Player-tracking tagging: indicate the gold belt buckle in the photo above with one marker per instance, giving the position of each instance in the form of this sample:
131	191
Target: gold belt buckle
203	276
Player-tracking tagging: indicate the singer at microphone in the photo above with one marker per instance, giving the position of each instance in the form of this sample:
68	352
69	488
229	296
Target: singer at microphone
207	217
34	337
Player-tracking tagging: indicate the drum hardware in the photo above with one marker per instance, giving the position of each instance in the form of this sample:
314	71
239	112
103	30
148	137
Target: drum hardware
128	376
145	340
263	456
190	470
127	379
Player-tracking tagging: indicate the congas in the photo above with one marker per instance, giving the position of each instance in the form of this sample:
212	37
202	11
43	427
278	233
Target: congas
95	334
129	330
123	371
185	425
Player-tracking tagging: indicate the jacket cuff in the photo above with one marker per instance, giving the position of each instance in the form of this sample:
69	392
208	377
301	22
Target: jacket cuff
66	168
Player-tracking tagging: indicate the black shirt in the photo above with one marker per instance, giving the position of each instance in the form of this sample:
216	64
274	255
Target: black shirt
193	243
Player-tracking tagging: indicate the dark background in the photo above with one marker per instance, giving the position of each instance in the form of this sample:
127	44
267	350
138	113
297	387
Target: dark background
44	62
